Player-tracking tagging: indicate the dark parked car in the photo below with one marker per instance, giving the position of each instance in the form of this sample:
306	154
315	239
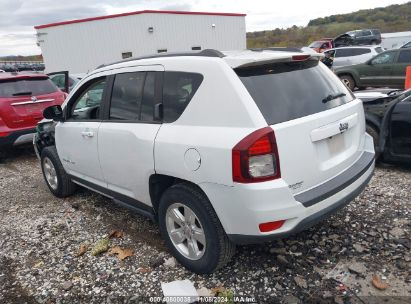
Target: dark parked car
8	68
365	37
38	67
384	70
388	118
24	67
358	37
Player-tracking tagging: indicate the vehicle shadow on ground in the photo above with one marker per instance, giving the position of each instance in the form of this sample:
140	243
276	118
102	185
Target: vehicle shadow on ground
9	155
394	166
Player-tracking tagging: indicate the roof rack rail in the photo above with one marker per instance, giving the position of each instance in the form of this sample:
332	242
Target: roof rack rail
202	53
280	49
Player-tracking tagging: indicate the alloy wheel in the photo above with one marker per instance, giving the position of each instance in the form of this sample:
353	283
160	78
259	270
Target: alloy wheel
50	173
185	231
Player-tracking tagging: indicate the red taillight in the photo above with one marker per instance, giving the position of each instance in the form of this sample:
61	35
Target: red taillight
270	226
300	57
255	158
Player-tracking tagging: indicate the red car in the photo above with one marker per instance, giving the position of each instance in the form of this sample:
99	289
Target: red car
322	45
23	97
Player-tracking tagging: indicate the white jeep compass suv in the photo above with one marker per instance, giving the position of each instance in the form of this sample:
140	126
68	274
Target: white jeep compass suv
218	148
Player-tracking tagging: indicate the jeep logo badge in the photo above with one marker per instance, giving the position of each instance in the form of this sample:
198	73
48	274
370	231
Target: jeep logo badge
343	127
33	98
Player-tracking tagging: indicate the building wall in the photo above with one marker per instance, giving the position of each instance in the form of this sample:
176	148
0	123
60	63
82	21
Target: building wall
81	47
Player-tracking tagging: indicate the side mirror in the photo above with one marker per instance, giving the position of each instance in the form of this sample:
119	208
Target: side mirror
54	112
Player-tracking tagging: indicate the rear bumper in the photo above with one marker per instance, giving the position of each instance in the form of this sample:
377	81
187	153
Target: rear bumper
242	207
17	138
309	221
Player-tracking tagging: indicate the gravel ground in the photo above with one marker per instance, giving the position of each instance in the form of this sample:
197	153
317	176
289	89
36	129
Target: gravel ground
333	262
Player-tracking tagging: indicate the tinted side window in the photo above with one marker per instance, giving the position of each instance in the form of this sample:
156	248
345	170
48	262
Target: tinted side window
147	106
405	57
127	96
86	105
358	52
366	33
384	58
345	52
178	89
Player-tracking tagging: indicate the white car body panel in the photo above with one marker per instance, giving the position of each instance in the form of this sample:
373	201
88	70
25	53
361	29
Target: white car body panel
351	60
78	151
126	157
309	163
312	149
269	201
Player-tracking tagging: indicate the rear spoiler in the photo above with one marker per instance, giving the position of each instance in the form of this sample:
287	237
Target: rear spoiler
268	58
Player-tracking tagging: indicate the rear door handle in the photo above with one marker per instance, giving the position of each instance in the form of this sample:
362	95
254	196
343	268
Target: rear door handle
87	134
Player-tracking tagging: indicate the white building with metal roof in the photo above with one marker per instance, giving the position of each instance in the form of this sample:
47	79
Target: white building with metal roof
80	46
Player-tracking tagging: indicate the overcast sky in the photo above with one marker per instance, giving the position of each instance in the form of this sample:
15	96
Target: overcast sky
17	17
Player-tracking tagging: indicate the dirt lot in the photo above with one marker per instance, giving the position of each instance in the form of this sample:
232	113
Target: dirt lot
334	261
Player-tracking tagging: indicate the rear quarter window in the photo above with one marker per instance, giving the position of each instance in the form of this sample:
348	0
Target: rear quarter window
287	91
178	90
30	86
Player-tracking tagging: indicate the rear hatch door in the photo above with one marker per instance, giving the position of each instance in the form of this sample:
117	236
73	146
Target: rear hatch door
318	123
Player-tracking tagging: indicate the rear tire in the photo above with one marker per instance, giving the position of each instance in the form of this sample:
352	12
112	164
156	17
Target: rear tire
348	81
54	174
186	200
376	138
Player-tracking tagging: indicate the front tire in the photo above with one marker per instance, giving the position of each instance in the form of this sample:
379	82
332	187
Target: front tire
54	174
192	230
348	81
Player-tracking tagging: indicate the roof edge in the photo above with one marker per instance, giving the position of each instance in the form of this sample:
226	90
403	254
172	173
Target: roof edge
37	27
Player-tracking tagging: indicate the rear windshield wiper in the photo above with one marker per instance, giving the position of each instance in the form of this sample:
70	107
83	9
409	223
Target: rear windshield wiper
332	97
22	93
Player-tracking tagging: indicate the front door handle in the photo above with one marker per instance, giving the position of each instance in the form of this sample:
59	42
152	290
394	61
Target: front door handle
87	134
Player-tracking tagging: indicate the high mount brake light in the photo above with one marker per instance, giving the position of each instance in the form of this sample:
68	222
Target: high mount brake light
300	57
255	158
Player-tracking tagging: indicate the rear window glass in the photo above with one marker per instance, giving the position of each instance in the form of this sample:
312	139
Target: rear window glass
286	91
24	87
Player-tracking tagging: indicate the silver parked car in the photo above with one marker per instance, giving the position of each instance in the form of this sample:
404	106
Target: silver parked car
350	55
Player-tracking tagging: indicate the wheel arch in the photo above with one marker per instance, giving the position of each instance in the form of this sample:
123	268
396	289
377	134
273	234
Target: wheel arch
373	121
159	183
351	74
